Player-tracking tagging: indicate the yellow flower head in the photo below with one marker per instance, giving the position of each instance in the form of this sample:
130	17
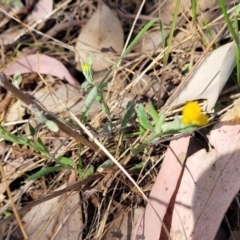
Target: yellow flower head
85	67
192	115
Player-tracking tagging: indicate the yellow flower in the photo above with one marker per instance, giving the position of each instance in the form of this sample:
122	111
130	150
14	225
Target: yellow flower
85	67
192	115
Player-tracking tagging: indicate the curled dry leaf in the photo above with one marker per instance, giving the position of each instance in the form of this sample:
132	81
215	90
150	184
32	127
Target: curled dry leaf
102	37
209	78
40	63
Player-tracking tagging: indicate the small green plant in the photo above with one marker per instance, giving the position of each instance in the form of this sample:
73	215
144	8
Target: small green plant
84	172
191	119
22	140
96	92
127	115
60	162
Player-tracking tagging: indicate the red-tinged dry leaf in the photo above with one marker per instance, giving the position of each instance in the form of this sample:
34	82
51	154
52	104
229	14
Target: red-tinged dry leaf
163	189
209	183
42	64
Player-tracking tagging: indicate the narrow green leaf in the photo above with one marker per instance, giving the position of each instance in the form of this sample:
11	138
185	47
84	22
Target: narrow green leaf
127	116
89	101
172	29
153	112
105	84
137	166
40	146
237	10
41	117
7	213
31	129
139	148
85	86
174	125
194	10
143	118
158	126
228	21
89	171
139	35
105	107
238	65
44	172
84	174
17	79
66	161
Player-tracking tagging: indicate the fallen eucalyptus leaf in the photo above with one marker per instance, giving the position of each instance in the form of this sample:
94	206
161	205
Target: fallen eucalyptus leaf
102	37
208	79
42	64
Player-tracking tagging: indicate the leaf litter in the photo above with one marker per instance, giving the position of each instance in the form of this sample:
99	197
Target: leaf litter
183	188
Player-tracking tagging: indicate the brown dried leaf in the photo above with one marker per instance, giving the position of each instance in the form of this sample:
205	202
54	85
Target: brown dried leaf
44	220
101	37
